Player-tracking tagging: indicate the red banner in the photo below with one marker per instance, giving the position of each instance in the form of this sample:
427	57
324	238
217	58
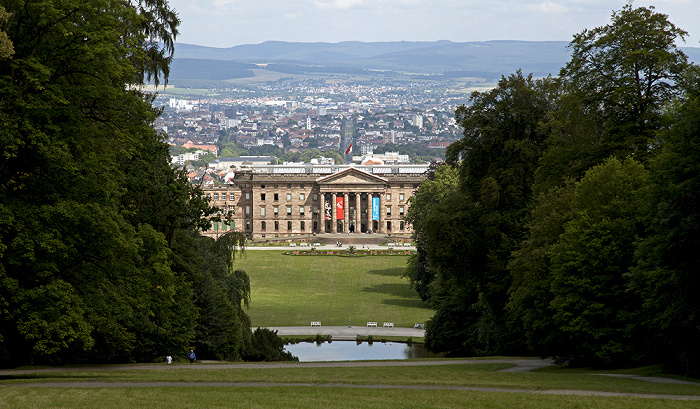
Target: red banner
339	207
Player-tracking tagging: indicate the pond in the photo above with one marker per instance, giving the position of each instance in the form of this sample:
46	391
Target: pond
352	351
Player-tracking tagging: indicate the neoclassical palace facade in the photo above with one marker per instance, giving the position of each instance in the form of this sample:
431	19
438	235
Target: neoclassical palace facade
289	200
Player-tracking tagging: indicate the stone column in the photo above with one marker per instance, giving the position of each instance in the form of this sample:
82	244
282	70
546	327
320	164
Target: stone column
334	219
380	225
358	197
346	213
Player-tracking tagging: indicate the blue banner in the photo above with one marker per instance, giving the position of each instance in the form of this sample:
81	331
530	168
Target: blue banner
375	208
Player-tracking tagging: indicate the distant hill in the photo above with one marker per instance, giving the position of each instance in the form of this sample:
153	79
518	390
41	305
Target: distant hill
439	59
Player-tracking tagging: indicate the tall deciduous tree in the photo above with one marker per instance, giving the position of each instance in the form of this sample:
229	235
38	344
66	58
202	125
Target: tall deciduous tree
470	235
666	276
594	313
85	266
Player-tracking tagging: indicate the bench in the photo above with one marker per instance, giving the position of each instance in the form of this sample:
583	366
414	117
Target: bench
389	324
315	323
418	326
304	244
292	244
371	324
407	244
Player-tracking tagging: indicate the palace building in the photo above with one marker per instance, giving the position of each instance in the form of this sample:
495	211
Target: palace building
270	201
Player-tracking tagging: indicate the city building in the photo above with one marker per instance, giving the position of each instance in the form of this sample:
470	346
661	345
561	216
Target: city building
303	199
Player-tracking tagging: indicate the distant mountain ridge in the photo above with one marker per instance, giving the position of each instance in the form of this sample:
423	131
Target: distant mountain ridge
489	59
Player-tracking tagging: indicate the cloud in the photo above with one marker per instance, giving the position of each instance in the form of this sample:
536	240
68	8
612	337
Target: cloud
552	8
225	3
338	4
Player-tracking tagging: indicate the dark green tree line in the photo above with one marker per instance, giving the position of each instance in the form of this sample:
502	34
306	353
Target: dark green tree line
100	258
570	231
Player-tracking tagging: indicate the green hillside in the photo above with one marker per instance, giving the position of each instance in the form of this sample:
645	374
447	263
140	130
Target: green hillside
295	290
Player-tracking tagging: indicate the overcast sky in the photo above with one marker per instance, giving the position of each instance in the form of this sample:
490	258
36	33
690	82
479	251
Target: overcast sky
226	23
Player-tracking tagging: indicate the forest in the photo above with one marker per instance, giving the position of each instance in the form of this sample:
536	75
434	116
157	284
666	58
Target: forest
101	259
565	222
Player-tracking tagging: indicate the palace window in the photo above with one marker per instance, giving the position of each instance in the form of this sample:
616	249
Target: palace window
262	186
400	197
388	226
263	226
289	197
262	196
301	210
276	197
388	197
216	196
401	226
289	225
276	210
388	210
247	225
289	210
277	226
247	195
401	211
262	211
302	196
247	210
315	197
303	225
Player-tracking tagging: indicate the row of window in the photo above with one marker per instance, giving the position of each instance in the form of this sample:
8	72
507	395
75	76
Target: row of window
302	210
302	196
302	226
223	196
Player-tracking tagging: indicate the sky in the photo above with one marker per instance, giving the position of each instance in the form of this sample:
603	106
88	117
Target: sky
226	23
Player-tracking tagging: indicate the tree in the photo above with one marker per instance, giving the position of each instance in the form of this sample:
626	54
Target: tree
624	73
666	275
593	311
471	234
85	261
441	181
530	293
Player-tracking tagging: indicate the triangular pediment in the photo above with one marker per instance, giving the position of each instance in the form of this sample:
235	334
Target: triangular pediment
351	176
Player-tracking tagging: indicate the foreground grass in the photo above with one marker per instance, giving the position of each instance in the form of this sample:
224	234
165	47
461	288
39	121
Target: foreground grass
313	395
295	290
291	397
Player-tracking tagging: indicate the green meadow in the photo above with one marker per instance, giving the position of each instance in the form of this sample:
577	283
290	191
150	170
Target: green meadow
292	386
292	290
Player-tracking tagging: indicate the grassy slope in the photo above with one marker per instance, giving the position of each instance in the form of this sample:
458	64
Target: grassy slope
475	375
295	290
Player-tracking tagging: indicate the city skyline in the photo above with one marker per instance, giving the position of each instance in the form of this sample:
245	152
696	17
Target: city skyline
227	23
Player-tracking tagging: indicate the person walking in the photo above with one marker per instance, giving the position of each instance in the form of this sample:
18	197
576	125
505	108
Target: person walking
192	356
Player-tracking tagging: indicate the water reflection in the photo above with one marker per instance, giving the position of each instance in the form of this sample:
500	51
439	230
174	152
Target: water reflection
351	351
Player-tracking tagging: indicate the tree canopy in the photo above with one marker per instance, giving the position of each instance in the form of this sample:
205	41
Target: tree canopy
570	230
100	255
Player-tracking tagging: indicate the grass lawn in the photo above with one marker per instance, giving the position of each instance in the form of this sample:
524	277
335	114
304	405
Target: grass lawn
322	388
295	290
